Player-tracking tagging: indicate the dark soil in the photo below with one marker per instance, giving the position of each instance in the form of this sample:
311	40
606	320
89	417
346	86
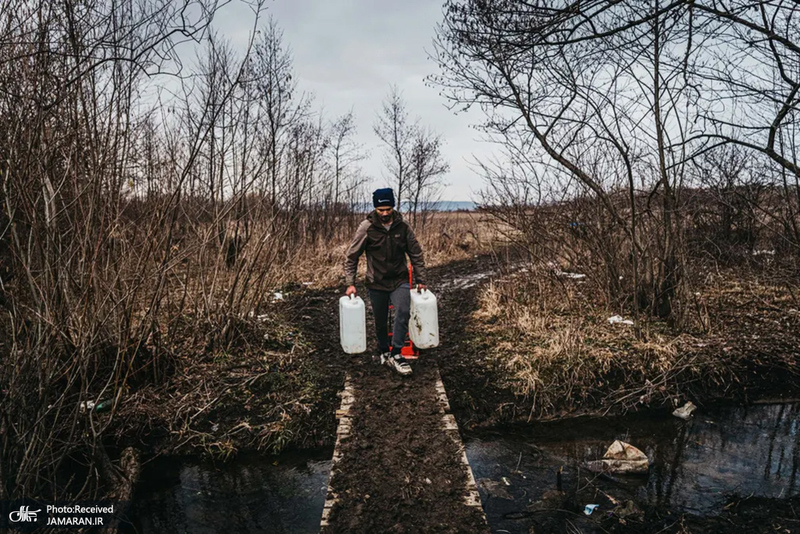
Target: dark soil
399	471
470	378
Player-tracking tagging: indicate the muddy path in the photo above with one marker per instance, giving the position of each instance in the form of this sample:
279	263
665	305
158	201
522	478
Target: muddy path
399	472
456	286
416	481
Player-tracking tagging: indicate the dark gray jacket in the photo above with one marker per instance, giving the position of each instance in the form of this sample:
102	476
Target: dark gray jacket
386	253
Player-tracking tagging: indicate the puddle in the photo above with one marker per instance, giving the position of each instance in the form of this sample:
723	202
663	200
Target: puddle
697	466
252	493
464	282
472	280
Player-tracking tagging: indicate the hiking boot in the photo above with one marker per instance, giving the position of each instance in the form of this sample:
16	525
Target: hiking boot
382	357
399	364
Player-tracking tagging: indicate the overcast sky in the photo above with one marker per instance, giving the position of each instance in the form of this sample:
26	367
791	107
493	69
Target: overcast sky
349	52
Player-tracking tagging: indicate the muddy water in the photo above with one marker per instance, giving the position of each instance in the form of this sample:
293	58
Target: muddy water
697	467
252	493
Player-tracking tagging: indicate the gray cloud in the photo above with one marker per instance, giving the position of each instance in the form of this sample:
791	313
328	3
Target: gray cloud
349	52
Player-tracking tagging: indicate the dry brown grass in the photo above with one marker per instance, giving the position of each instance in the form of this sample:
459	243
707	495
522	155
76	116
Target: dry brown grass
559	354
445	237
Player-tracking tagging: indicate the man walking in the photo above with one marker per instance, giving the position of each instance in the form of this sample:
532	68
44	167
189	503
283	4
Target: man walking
387	239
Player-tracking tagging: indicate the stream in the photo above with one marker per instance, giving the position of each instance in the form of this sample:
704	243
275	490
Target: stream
252	493
696	467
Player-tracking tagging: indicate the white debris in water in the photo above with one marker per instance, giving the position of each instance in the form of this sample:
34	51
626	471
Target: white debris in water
278	296
685	411
617	319
465	282
621	458
471	280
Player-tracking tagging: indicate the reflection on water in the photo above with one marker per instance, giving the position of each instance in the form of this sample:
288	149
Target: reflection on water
740	453
696	466
251	494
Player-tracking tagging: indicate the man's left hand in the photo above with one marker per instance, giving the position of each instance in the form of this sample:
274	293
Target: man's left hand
421	287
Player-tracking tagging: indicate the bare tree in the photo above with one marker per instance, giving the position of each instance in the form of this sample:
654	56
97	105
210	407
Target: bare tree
90	267
280	105
345	155
395	130
426	169
622	97
413	153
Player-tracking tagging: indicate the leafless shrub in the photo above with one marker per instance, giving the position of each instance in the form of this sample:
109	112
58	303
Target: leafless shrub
616	113
136	209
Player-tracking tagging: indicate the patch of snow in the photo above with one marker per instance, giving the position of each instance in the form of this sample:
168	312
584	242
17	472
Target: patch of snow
558	272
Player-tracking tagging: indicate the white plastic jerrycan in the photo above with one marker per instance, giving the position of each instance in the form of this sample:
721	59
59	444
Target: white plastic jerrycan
352	324
423	324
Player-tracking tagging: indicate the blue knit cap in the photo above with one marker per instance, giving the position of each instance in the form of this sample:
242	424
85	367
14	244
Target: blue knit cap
383	197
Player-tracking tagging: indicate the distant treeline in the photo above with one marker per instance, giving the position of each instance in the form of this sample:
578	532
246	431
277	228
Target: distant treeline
440	205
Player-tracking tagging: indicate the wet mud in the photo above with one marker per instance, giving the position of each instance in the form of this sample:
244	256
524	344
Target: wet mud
399	471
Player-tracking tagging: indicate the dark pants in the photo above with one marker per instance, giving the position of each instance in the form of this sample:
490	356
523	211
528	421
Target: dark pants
400	299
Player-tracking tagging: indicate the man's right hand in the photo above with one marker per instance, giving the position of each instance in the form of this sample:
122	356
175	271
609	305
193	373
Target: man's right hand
351	290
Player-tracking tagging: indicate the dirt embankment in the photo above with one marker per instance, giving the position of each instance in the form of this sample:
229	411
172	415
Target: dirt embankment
540	346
